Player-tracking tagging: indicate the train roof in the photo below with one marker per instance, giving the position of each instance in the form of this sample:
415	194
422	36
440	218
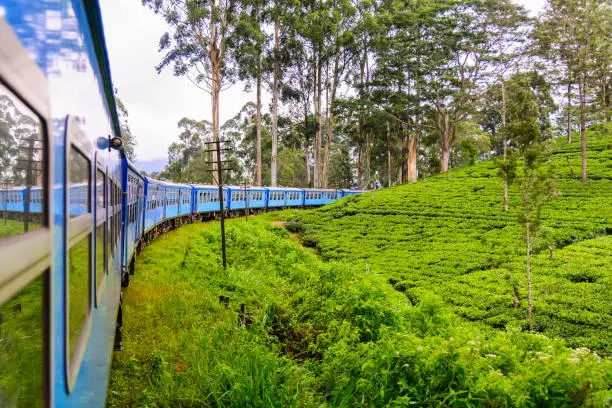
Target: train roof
247	187
176	185
206	186
322	189
283	189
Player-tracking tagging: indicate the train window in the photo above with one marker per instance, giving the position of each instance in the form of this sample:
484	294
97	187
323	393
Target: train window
78	299
21	169
25	242
22	347
78	294
100	253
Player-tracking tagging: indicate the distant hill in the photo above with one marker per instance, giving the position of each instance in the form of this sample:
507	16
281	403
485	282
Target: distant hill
152	165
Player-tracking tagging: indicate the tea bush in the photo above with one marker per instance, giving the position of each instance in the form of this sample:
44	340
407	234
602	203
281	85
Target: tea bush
451	238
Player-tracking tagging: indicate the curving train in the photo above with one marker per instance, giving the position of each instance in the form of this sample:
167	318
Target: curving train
73	210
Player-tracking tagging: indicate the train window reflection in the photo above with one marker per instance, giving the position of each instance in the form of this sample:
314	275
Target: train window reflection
78	296
79	184
21	167
22	343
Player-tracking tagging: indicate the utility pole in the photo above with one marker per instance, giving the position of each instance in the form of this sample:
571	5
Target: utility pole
219	169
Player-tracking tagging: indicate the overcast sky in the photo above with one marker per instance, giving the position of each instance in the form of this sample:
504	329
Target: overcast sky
156	103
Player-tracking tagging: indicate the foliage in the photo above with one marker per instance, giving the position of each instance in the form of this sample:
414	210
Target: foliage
406	300
457	242
318	334
129	140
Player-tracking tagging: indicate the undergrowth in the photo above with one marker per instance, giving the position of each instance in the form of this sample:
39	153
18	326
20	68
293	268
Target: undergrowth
406	300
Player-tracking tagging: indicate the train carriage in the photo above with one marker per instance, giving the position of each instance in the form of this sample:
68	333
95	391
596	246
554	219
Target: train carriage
321	196
155	200
207	198
178	200
241	197
133	203
275	197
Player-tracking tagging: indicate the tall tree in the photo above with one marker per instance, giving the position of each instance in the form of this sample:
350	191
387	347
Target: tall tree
569	33
200	45
339	50
524	130
250	41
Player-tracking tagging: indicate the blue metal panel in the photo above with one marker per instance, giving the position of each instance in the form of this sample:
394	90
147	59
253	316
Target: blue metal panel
276	196
251	197
58	37
207	198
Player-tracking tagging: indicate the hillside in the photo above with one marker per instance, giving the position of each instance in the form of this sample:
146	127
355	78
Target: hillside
283	326
450	237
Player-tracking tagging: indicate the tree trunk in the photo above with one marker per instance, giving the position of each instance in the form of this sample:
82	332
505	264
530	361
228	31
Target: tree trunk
258	128
330	116
504	143
328	138
388	154
445	148
581	92
216	90
413	174
529	298
569	113
307	151
318	135
369	169
445	154
273	169
359	167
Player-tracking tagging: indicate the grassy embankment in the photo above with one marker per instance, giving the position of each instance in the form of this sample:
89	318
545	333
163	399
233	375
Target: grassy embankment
332	330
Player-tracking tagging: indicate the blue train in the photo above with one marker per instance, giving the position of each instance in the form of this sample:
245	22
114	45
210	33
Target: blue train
73	211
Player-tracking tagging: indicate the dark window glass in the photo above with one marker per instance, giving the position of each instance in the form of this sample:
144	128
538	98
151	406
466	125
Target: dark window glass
78	292
78	201
22	348
21	166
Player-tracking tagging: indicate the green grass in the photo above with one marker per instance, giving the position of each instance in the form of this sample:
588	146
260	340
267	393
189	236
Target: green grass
322	334
9	228
407	299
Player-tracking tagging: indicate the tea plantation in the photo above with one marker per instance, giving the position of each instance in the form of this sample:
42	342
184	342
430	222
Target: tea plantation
407	300
451	238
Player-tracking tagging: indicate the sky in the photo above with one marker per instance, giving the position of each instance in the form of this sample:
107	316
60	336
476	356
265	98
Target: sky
156	103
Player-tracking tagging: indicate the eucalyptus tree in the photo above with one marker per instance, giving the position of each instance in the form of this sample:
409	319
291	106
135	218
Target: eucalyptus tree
458	59
569	33
398	79
199	47
250	41
339	49
313	23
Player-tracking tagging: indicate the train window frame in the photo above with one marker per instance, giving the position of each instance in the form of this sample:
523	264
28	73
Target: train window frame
77	229
20	75
99	220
